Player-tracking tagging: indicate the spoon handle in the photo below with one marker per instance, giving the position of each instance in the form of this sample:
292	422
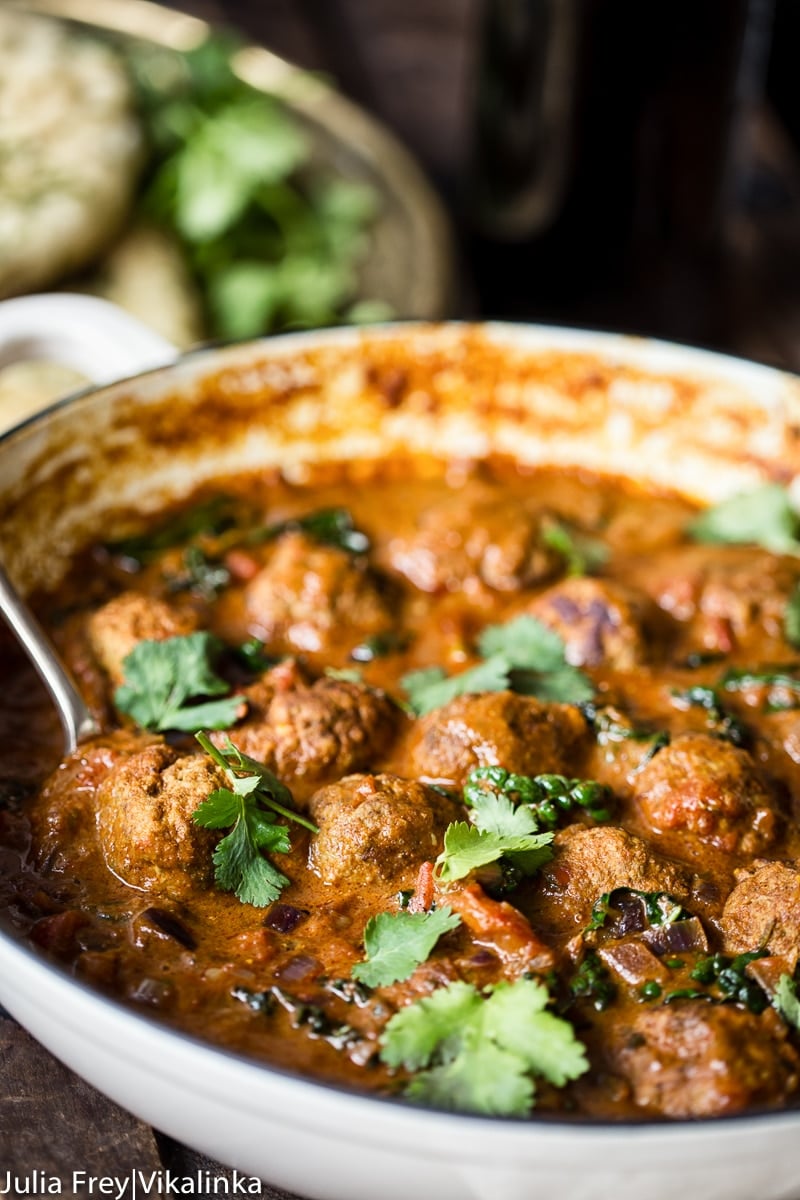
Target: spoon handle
76	720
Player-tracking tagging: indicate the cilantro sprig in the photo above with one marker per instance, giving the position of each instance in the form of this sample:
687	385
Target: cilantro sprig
764	516
161	678
582	553
327	526
249	807
786	1001
548	798
791	618
500	830
480	1051
396	943
523	655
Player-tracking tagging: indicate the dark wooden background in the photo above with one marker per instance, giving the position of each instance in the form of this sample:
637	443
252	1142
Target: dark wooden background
412	63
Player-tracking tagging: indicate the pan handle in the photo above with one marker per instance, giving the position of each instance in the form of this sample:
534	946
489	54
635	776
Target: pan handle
89	335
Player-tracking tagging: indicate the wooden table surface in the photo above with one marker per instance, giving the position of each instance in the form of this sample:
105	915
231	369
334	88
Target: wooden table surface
409	61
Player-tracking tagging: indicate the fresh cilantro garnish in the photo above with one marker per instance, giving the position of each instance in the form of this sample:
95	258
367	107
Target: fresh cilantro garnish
501	830
783	690
396	943
379	645
273	238
764	517
786	1001
431	688
207	519
592	981
479	1051
719	720
160	677
791	618
346	674
727	974
523	655
252	655
582	554
200	574
328	526
250	805
549	798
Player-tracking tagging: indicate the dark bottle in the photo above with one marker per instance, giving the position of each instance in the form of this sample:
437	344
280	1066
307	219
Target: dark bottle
601	174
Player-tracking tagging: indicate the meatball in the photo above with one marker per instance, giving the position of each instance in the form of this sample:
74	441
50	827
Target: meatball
377	829
145	824
600	622
320	732
130	618
501	729
692	1059
472	540
588	862
711	791
764	910
725	595
315	598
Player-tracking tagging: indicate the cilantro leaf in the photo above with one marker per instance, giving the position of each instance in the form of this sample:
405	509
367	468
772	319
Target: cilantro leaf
413	1035
431	688
396	943
791	618
484	1079
523	655
764	517
536	657
497	795
582	554
240	868
483	1048
328	526
466	848
527	644
786	1001
250	805
160	677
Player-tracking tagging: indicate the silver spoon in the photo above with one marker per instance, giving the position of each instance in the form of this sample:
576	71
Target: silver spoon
76	720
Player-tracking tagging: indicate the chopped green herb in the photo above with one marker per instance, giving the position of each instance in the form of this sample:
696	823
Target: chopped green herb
674	964
380	645
250	806
783	690
764	517
396	943
273	239
328	526
209	518
549	798
466	848
582	554
719	721
592	981
651	990
479	1051
786	1001
686	994
727	974
431	688
523	655
253	656
347	674
791	618
200	574
160	678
